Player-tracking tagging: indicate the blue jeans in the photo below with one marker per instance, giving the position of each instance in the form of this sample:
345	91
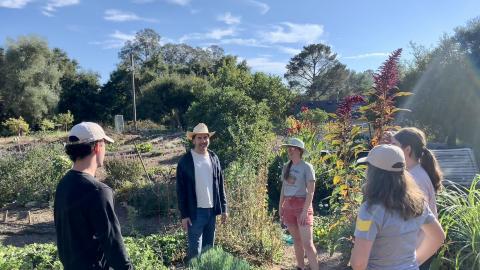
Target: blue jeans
201	233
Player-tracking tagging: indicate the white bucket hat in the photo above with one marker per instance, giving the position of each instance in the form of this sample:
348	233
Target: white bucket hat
199	129
295	142
88	132
386	157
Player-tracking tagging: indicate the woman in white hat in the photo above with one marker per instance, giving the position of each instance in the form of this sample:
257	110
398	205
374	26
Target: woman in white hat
295	208
391	216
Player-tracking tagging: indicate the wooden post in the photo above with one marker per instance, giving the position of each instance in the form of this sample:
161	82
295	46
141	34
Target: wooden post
30	218
5	216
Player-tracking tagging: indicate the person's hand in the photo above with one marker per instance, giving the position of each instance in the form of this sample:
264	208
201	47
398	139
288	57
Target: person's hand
387	137
280	213
224	218
185	223
303	217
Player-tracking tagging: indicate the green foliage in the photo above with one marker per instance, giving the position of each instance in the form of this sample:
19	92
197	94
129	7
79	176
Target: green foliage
334	233
147	253
152	199
80	94
250	230
33	175
145	147
47	125
243	127
459	215
123	173
216	258
64	119
30	77
17	126
166	99
316	71
34	256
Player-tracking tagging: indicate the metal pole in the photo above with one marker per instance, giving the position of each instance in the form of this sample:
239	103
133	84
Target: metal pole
133	92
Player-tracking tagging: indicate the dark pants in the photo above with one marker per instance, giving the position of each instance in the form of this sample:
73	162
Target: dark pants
201	233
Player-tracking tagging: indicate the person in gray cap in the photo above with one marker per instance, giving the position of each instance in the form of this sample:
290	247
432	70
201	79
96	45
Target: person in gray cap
88	232
391	216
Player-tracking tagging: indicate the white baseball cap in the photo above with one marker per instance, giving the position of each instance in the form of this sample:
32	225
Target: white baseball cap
88	132
386	157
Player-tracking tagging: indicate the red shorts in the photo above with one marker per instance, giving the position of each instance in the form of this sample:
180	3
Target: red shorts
292	208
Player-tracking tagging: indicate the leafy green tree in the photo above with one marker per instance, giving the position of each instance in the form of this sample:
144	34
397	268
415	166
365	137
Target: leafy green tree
46	125
31	79
80	95
243	126
17	126
64	119
166	99
316	71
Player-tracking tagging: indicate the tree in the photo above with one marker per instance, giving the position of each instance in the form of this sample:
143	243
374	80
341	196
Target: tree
80	95
17	126
145	46
316	71
64	119
31	79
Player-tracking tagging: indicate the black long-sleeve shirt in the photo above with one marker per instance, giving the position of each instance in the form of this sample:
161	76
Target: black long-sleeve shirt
88	231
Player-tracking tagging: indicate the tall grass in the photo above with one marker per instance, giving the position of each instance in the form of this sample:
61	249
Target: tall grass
460	218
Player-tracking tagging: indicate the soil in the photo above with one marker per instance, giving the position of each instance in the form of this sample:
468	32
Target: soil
27	225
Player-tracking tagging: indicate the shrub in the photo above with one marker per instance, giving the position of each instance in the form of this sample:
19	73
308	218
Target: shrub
334	233
123	172
33	175
243	126
34	256
153	198
145	147
47	125
64	119
459	215
251	230
216	258
17	126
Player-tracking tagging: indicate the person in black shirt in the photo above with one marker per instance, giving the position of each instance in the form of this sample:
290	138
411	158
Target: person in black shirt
88	231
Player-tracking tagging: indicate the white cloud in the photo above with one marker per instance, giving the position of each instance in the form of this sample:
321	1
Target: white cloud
117	40
179	2
288	50
53	5
294	33
123	16
14	3
264	8
251	42
216	34
229	19
265	64
367	55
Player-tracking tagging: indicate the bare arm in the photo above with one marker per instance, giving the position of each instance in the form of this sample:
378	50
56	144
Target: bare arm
360	254
433	240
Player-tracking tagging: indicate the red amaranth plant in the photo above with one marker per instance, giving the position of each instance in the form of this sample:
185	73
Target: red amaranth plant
382	109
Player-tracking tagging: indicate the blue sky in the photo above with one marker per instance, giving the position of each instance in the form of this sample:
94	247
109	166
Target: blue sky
265	33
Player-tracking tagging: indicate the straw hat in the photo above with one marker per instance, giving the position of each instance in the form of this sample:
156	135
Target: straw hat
199	129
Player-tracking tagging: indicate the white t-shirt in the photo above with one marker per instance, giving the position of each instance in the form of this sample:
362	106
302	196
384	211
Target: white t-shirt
425	184
203	179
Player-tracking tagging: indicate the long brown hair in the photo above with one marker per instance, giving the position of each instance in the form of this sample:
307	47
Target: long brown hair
396	191
415	138
286	170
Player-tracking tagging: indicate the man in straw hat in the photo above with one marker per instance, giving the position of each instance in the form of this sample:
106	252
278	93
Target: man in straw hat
88	232
200	191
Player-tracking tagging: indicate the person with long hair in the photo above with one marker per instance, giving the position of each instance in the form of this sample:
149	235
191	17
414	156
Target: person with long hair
423	167
295	208
392	214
